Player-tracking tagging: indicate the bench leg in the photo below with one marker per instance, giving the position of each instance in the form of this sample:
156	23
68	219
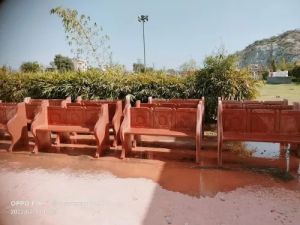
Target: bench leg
198	148
19	138
283	147
62	137
137	140
2	134
98	152
117	139
102	139
220	144
287	158
115	142
57	142
42	141
127	145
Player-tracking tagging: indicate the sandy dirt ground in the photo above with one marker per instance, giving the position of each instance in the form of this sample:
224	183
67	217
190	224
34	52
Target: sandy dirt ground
38	196
147	188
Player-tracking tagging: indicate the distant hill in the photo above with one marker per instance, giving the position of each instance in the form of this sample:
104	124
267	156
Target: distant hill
284	46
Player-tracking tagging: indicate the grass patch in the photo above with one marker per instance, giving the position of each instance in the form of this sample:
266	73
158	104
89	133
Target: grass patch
280	91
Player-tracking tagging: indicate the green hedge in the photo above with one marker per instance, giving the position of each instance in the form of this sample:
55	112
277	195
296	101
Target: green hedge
92	85
114	84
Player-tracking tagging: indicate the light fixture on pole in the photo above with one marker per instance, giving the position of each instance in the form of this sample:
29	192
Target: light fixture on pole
143	19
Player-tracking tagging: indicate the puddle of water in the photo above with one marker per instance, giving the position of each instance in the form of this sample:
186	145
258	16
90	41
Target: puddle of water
264	149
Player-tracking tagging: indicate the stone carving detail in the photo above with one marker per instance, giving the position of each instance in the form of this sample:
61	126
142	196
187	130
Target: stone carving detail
163	118
57	115
75	116
262	122
186	119
141	117
290	124
234	120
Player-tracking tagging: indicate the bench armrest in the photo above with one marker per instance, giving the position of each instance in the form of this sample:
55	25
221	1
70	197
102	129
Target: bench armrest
116	121
17	127
41	118
126	122
101	128
220	122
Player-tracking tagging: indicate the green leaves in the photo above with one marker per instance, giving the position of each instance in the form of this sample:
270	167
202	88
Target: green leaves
84	37
94	84
30	67
219	78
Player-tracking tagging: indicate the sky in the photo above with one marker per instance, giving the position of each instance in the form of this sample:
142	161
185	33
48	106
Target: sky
177	30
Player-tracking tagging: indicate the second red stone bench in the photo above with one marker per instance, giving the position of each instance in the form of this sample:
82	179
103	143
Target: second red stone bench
162	121
87	119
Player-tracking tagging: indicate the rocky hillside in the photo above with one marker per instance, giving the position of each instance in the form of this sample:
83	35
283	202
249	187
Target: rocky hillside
284	46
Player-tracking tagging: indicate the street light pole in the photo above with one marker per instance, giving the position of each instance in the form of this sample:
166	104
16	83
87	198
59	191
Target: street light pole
143	19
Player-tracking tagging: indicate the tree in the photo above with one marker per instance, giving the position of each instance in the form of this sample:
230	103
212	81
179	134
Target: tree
284	65
273	65
295	72
63	63
30	67
85	38
220	77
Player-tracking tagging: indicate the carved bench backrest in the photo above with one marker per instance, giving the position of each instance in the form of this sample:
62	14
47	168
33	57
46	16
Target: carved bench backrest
7	111
268	119
290	122
73	115
32	109
111	105
180	119
55	102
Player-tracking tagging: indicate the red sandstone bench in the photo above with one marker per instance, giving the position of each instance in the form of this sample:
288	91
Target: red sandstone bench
161	121
115	114
13	120
81	119
171	103
33	106
257	121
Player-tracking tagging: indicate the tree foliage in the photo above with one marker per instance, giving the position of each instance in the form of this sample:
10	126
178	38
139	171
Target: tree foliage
85	38
30	67
295	72
221	77
63	63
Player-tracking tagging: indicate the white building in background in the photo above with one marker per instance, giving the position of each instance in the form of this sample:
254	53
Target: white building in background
279	74
80	65
280	77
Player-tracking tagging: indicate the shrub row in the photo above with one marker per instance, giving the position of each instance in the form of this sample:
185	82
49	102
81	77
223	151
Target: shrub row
91	85
212	81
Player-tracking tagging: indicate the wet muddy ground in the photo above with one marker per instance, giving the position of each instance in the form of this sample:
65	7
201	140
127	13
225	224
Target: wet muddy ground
158	184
